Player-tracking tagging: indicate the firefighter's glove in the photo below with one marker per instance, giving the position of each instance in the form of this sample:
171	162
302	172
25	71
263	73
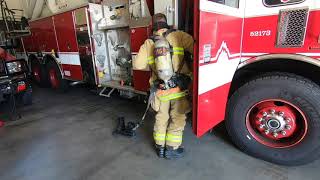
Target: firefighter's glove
183	81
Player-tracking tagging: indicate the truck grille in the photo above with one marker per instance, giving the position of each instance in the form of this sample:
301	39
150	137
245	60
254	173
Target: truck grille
292	27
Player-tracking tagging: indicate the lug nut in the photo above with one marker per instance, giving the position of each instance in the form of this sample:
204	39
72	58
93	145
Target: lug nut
266	131
272	111
288	127
281	113
262	126
283	133
288	120
264	113
261	119
275	134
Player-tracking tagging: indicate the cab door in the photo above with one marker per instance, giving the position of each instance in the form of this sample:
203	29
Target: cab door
218	53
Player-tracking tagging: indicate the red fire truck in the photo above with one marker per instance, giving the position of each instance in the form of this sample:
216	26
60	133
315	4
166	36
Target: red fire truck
255	64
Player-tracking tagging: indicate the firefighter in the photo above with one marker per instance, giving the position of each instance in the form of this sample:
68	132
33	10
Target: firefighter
164	54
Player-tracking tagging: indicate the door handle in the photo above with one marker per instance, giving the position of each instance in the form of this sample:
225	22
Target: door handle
68	46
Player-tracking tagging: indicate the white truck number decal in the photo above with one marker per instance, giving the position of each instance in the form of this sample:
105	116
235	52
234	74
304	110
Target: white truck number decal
260	33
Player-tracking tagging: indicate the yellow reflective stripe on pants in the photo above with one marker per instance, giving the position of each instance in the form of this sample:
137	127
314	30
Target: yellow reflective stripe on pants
178	50
151	60
159	136
172	96
174	138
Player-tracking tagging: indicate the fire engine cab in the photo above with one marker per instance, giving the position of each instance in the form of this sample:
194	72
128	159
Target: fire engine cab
256	64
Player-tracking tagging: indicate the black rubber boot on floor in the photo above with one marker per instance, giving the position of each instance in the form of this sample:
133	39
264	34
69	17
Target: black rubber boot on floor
160	151
174	153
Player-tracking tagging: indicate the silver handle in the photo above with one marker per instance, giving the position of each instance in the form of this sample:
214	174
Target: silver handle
68	46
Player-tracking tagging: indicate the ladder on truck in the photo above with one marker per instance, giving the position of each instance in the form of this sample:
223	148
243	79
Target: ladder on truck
16	25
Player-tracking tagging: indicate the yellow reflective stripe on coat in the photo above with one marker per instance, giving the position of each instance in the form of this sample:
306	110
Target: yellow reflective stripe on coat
159	136
151	60
172	96
174	138
178	50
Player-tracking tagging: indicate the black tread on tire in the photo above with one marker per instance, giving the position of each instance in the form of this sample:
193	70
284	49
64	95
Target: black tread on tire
44	81
63	84
292	88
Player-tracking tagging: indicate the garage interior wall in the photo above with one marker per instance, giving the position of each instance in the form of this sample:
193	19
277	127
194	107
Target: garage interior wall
13	4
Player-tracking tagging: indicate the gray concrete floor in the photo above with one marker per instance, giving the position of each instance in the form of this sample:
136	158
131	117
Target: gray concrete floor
68	136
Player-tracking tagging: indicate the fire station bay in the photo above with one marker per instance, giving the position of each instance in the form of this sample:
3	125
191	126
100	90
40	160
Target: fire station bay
159	89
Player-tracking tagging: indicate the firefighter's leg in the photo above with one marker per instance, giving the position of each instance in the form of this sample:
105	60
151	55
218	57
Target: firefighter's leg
161	124
160	128
176	126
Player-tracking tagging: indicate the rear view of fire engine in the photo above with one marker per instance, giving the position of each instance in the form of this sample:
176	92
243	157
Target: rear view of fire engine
256	63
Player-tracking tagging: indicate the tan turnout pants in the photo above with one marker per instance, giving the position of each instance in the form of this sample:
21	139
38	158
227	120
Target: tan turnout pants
170	123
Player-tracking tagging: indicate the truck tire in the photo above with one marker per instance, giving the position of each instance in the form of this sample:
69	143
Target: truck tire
39	74
55	77
276	117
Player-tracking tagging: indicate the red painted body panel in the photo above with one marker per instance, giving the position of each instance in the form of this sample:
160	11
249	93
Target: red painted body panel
214	30
218	28
196	25
44	37
267	44
138	36
33	38
76	71
141	80
212	108
66	33
29	45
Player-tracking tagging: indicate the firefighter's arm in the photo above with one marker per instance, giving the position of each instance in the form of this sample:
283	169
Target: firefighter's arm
145	56
184	79
187	41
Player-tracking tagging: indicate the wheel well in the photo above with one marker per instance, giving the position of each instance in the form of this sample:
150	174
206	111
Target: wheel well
253	70
49	58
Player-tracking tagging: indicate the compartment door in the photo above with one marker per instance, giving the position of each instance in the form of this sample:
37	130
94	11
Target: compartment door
68	46
219	47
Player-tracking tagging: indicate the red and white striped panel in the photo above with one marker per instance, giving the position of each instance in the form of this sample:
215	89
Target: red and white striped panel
71	66
219	56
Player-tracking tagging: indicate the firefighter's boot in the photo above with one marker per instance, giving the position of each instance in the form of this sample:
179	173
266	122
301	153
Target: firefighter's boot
160	151
172	153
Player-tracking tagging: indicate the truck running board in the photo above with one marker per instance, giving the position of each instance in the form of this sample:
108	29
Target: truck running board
103	91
